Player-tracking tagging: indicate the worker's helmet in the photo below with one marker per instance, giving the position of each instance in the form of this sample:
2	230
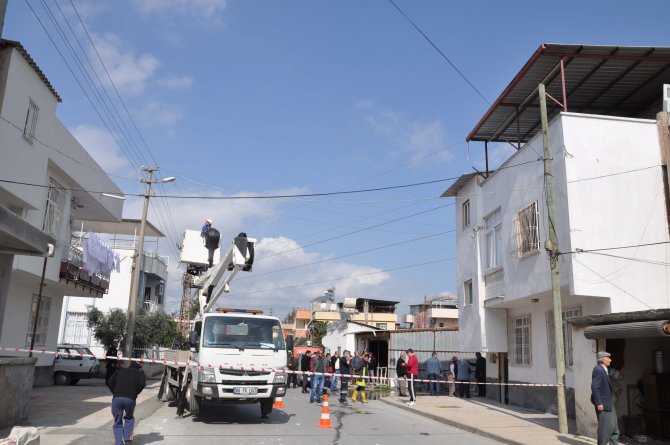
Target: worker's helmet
208	220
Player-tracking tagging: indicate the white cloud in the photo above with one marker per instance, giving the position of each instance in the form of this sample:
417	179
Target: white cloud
201	10
130	72
101	145
419	138
176	83
160	113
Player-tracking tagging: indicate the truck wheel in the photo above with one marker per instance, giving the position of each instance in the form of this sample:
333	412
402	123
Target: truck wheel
266	406
193	403
61	378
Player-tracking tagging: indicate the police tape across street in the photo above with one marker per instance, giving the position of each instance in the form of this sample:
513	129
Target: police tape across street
285	371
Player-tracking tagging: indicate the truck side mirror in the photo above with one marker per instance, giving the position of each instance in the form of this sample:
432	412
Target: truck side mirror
193	340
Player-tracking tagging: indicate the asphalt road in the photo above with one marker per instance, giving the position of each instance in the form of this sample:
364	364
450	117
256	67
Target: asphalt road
373	423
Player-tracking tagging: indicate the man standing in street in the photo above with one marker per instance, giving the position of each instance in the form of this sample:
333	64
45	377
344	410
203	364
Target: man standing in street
305	365
291	364
319	366
434	370
111	362
401	373
463	377
125	384
345	370
602	398
412	367
335	366
480	375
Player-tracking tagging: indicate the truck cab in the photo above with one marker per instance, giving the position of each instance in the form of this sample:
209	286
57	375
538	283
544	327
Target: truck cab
237	357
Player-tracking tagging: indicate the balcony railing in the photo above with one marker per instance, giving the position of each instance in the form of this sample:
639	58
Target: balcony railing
72	272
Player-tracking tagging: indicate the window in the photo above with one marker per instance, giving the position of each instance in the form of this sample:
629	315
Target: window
54	208
493	226
522	340
381	325
527	229
76	328
467	293
31	122
567	336
42	322
466	213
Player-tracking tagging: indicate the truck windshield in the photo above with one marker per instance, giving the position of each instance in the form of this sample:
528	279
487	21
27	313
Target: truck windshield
243	333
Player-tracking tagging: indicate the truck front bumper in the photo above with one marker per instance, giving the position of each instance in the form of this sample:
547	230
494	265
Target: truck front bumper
239	394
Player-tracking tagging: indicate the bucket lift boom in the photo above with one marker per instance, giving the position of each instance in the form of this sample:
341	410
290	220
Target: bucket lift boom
211	284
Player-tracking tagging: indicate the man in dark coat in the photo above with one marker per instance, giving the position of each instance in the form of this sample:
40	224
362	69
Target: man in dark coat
111	362
304	366
401	372
125	384
602	398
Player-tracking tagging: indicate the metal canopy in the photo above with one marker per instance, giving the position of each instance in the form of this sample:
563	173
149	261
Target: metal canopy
607	80
127	226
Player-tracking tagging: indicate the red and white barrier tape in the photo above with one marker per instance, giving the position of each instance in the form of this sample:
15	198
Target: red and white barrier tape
285	371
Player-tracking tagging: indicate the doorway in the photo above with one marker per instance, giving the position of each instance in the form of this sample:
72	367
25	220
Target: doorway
503	373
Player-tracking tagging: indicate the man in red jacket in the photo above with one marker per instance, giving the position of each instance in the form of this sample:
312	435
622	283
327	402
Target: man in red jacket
412	366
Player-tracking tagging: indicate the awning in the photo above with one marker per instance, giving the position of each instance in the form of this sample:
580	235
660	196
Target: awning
643	329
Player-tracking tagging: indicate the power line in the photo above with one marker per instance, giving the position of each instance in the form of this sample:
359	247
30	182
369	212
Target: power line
347	255
444	56
615	248
350	277
639	260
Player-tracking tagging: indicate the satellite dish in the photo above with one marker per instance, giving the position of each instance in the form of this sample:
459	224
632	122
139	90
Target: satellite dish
333	307
323	305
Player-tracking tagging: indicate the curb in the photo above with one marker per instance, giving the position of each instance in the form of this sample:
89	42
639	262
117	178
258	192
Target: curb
466	427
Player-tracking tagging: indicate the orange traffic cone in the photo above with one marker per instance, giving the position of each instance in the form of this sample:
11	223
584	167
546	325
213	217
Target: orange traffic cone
279	403
325	414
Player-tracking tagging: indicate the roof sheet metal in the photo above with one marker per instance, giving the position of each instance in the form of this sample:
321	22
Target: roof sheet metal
424	342
610	80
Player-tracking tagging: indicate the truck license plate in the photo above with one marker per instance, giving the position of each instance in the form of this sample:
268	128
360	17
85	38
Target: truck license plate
245	390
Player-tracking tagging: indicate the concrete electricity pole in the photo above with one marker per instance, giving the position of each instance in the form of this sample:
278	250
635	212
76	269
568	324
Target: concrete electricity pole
551	246
137	260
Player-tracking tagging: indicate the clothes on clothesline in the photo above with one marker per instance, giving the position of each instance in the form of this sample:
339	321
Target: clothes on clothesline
98	257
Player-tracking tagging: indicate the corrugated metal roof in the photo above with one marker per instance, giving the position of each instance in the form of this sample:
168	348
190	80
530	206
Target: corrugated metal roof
17	45
608	80
456	186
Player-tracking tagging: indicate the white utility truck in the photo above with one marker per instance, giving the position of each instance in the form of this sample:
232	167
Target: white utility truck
235	355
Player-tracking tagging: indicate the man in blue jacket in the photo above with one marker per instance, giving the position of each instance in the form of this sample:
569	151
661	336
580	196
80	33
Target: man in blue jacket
602	398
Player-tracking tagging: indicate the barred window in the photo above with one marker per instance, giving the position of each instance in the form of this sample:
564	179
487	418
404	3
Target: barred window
31	122
528	234
567	336
522	340
42	321
54	208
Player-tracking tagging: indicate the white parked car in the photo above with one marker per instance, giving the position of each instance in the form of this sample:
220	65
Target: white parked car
70	365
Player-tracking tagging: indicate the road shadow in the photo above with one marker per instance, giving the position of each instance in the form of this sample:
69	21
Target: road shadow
141	439
246	414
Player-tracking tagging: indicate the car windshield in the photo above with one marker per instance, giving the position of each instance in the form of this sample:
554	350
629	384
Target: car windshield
243	333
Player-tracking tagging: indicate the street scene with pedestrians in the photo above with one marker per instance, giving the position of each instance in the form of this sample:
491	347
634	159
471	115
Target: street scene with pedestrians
334	222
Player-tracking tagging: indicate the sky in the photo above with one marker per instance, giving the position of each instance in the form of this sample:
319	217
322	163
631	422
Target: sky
251	98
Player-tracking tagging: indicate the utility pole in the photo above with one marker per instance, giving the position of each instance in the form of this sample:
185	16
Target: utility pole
137	260
551	246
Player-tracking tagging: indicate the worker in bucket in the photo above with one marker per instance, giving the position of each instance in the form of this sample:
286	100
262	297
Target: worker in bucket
212	238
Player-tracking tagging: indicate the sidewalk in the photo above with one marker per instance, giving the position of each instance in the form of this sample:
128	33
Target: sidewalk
70	414
503	423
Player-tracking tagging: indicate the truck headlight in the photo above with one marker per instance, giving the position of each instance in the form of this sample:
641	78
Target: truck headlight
207	376
280	376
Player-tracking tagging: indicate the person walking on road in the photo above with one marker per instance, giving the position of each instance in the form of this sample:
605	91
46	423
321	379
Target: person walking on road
125	384
401	373
412	367
602	398
434	370
480	375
